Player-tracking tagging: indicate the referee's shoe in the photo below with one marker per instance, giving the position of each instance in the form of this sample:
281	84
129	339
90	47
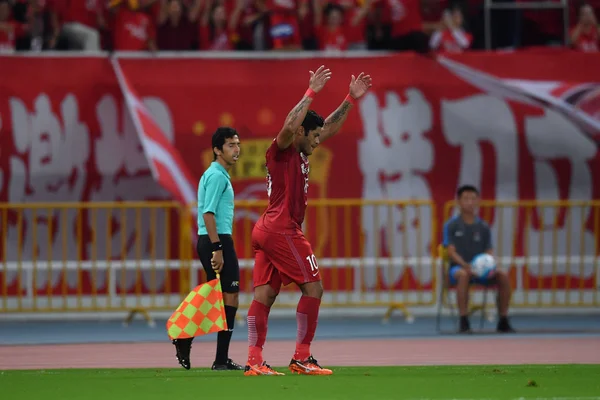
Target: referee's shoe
228	366
183	348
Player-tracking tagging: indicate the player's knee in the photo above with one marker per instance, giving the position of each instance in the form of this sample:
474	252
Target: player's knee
502	277
231	299
265	294
461	276
312	289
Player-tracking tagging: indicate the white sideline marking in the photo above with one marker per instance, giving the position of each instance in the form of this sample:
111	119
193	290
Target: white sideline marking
517	398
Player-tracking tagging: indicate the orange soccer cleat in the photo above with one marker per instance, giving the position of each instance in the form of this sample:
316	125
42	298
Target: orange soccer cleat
263	369
308	367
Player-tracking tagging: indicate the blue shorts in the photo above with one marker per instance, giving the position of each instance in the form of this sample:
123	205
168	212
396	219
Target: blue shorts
479	281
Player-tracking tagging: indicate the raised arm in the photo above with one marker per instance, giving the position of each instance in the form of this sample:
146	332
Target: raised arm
296	116
358	87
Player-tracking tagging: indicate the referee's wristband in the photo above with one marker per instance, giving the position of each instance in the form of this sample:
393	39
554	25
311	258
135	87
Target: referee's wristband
217	246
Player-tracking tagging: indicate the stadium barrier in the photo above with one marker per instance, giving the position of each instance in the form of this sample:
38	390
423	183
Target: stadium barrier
549	248
140	257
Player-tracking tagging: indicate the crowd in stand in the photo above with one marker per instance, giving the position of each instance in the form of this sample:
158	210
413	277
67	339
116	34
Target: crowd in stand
333	25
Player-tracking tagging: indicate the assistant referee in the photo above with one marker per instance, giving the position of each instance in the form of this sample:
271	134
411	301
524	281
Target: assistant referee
215	244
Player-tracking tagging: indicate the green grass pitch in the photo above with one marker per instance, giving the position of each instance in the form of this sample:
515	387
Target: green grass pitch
556	382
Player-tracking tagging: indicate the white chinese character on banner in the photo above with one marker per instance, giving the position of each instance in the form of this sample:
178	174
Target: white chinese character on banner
125	175
393	156
49	166
549	137
490	122
553	137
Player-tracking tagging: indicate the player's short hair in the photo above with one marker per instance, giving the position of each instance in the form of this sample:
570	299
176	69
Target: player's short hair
312	121
220	136
466	188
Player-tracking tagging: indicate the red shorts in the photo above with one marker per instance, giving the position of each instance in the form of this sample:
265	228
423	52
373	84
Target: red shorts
282	259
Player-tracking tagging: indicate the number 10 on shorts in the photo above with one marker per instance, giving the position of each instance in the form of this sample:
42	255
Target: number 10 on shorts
312	261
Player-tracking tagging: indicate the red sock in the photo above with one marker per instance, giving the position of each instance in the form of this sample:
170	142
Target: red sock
307	316
258	315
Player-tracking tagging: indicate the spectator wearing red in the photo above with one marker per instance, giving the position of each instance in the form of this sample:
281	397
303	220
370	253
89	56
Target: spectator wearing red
307	10
214	30
407	26
10	30
452	38
378	26
586	34
284	27
80	24
332	31
355	21
41	17
175	28
246	17
134	28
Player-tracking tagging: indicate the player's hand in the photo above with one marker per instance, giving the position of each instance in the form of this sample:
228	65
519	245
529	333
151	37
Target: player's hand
359	86
217	261
319	79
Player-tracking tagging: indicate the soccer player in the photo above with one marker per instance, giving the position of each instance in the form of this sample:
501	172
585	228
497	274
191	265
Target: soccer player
215	245
282	255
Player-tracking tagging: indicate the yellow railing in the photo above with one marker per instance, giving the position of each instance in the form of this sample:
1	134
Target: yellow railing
60	257
371	253
141	256
549	248
129	256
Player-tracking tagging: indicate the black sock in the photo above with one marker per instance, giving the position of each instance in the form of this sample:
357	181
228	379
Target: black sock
224	337
464	321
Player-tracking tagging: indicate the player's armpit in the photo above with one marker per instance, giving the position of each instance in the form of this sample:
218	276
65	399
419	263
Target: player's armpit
335	120
293	121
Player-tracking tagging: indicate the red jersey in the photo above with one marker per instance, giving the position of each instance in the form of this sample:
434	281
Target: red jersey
405	16
587	41
332	40
353	34
82	11
217	40
450	41
133	29
285	30
7	39
287	187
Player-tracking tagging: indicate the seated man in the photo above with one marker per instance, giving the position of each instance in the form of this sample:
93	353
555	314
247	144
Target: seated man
466	236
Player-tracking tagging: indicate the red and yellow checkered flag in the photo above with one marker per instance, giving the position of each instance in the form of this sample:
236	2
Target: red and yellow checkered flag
200	313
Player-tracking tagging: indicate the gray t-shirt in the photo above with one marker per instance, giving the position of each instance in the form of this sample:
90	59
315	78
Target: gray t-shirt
468	239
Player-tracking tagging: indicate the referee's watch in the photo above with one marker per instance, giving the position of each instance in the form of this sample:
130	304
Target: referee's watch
217	246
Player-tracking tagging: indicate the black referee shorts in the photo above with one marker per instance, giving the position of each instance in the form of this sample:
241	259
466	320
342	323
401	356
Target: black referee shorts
230	274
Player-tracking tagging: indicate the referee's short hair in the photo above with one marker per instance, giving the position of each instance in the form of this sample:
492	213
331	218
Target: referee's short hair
220	136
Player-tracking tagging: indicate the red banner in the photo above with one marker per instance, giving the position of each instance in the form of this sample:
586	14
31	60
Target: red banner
65	135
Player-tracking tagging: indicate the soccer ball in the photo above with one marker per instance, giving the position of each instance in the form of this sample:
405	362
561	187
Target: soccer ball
483	265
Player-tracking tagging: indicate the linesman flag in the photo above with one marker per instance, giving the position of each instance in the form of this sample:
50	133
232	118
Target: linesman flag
200	313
